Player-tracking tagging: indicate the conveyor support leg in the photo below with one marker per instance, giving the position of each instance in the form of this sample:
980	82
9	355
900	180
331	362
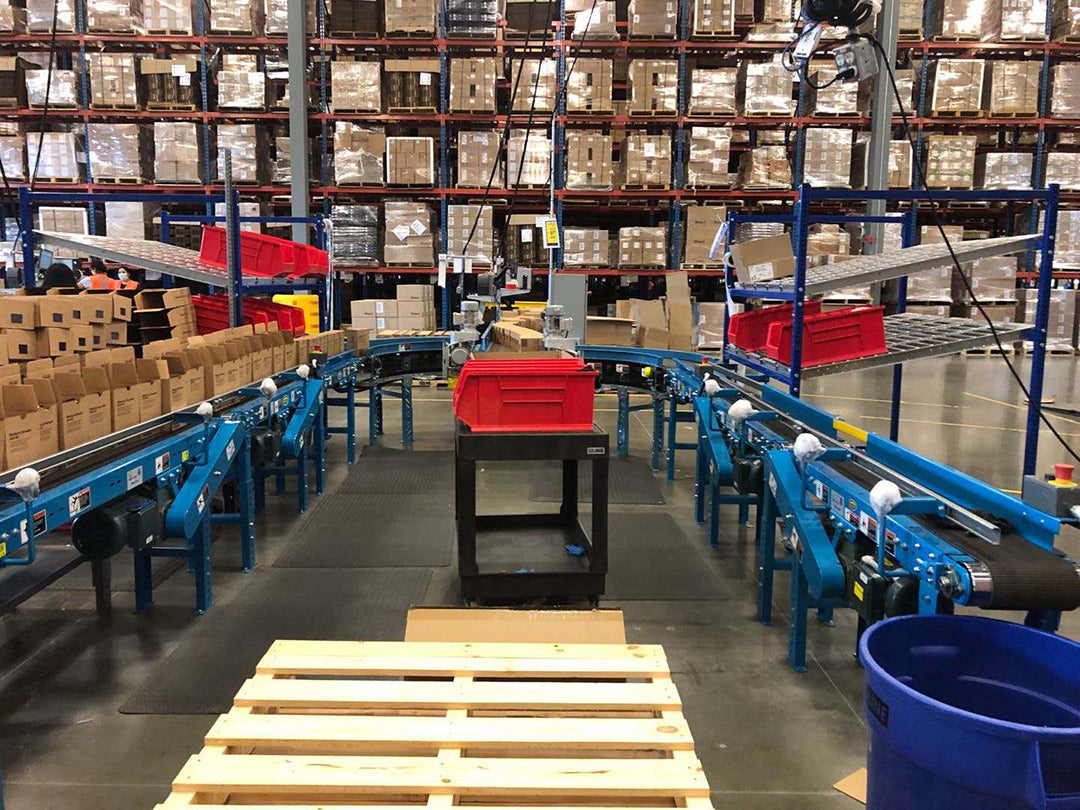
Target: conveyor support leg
800	603
245	497
766	532
657	432
406	409
702	484
350	420
622	424
204	596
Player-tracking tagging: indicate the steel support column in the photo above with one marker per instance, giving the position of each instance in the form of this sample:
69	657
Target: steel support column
298	117
877	168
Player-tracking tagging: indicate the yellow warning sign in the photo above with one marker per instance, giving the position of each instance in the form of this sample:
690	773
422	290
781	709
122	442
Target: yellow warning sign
551	233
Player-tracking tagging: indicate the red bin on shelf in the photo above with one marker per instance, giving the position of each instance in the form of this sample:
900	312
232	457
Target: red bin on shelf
526	396
831	337
260	255
750	330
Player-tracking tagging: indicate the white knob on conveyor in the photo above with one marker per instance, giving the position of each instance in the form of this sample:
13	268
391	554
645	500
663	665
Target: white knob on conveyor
27	483
304	371
807	448
268	388
712	387
205	410
884	497
740	410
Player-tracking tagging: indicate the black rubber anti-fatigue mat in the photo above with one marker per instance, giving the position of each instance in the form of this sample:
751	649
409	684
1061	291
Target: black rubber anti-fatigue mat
367	530
398	472
123	573
207	669
630	481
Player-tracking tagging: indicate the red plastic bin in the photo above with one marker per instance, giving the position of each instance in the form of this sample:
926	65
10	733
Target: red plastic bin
750	330
526	396
212	314
830	337
260	255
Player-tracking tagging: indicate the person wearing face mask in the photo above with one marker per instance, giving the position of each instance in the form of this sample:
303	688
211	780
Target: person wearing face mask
126	282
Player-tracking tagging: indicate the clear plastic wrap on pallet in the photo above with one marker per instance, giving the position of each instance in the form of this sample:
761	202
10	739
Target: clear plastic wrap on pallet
766	88
713	91
1065	84
950	161
748	231
535	84
60	88
1060	321
114	16
965	20
1067	242
1004	170
478	157
410	161
241	90
535	169
1065	23
905	84
471	17
12	19
824	242
171	84
169	16
993	279
355	235
596	21
277	17
118	151
710	155
712	17
1063	168
911	17
588	160
58	159
248	159
129	220
237	17
827	157
1023	19
642	247
408	235
113	80
359	154
653	19
653	85
586	247
646	160
63	219
176	152
589	88
958	85
832	97
765	167
1014	87
472	84
355	86
409	16
463	220
39	16
900	164
13	156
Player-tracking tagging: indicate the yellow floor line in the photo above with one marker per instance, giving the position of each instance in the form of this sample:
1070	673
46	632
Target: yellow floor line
1020	407
874	399
961	425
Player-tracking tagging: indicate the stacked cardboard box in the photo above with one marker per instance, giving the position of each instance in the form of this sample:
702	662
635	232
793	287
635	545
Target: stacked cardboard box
43	15
63	220
1061	323
478	156
171	16
281	170
702	223
653	19
1063	168
60	87
966	19
472	84
911	19
113	82
409	236
934	285
517	338
950	161
765	167
114	16
595	21
827	158
12	19
163	314
414	309
13	81
237	17
241	84
958	85
475	220
170	83
642	247
533	84
410	161
472	18
525	19
646	161
710	153
1023	19
900	164
712	90
355	86
36	327
13	156
412	85
826	96
129	220
119	151
524	243
586	247
653	85
528	158
588	160
356	235
176	152
1014	87
1066	20
712	17
589	89
1067	246
358	154
1004	170
409	16
992	280
247	142
1065	81
276	13
766	88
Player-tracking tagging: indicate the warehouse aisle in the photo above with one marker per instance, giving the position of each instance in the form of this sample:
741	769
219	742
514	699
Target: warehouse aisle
768	738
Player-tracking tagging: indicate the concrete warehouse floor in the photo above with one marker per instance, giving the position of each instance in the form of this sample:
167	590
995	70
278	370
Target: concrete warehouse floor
768	738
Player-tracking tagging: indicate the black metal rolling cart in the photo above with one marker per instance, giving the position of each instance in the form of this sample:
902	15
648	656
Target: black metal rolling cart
529	557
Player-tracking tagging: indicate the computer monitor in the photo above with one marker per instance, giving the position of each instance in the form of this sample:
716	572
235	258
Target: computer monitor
45	258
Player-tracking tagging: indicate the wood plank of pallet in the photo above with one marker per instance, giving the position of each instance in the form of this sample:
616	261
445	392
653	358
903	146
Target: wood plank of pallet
274	664
505	695
315	776
190	801
366	733
442	649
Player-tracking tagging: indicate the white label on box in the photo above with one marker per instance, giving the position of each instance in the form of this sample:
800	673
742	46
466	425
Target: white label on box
418	227
760	272
178	70
526	235
380	323
380	308
185	80
425	79
650	149
401	232
134	478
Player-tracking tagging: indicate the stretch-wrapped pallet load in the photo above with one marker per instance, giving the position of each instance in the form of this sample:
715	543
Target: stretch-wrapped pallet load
410	161
409	17
525	18
958	85
40	15
13	81
1065	84
248	149
114	16
653	85
1067	242
1004	170
245	209
900	164
355	240
358	154
589	88
241	85
911	19
524	244
13	156
1061	319
713	18
775	23
533	84
1066	20
595	21
12	19
471	18
237	17
831	97
588	160
1014	87
712	90
710	157
176	152
62	219
412	85
475	220
765	167
57	156
992	280
586	247
827	158
171	16
642	247
351	17
479	158
408	239
281	170
528	158
950	161
355	86
653	19
646	161
1063	168
113	82
276	13
129	220
59	88
119	152
472	84
702	223
171	84
766	89
1023	19
965	20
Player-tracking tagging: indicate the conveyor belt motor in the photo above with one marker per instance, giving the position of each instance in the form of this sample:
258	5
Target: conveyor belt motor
134	521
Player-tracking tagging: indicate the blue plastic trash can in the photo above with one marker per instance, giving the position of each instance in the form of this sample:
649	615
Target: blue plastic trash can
967	712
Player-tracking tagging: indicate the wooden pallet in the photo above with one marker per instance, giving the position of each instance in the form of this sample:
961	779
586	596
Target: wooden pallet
169	32
398	33
835	114
411	111
1068	40
909	36
171	105
240	110
354	111
511	725
955	38
770	114
119	181
957	113
646	187
1026	114
989	351
59	180
716	36
53	105
652	113
699	266
115	107
1034	39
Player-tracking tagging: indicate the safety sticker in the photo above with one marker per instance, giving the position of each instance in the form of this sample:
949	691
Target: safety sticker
275	406
772	484
837	502
79	501
3	549
262	412
864	523
41	522
184	455
161	463
857	589
134	477
230	448
204	496
819	490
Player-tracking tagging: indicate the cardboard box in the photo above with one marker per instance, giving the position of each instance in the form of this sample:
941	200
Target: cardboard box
415	292
52	342
655	19
48	416
18	312
588	160
966	19
950	161
609	331
679	312
124	383
410	161
20	425
765	88
108	306
533	84
82	338
702	223
476	221
72	416
40	369
177	152
99	411
589	88
517	338
651	320
653	85
642	247
763	259
646	160
586	247
958	85
1014	87
472	84
412	16
152	383
528	159
53	311
713	91
19	344
478	154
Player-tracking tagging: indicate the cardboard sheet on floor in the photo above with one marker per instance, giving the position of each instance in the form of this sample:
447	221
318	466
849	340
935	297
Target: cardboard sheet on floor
854	785
507	625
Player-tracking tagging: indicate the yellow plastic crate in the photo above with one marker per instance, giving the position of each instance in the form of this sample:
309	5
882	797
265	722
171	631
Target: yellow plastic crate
307	302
